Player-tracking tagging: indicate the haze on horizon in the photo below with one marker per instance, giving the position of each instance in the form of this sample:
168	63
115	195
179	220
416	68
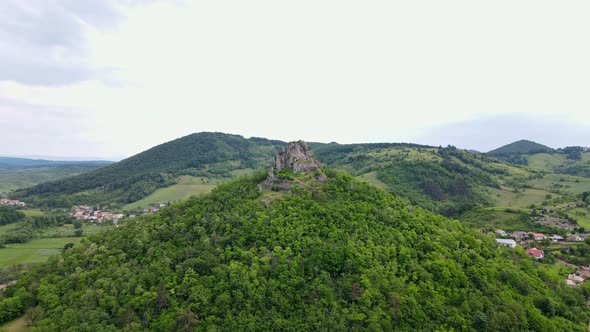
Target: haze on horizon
106	79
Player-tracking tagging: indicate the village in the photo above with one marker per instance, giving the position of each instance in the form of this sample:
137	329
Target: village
94	214
511	240
12	202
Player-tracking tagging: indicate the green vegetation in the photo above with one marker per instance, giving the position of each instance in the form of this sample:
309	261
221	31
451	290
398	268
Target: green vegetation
9	215
211	155
338	256
519	148
185	187
34	251
518	198
17	325
15	178
506	219
444	180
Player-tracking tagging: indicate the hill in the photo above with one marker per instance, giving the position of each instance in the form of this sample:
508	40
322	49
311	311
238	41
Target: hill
520	147
18	173
211	155
332	253
445	180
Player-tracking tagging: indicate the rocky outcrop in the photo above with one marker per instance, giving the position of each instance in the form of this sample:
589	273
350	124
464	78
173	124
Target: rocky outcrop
296	157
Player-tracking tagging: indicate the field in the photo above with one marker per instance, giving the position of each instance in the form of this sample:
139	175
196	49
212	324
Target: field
17	325
34	251
569	183
523	198
546	161
582	215
372	179
187	186
49	242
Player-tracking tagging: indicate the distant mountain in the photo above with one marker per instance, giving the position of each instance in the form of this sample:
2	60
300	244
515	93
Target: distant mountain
519	148
211	155
13	163
18	173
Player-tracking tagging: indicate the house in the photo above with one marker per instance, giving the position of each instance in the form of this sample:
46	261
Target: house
536	253
556	238
574	238
537	236
11	202
510	243
500	232
519	235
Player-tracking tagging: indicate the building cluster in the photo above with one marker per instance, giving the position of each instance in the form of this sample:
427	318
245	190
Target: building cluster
522	236
153	209
11	202
94	214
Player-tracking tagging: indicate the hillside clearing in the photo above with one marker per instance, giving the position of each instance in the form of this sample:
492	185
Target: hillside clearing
187	186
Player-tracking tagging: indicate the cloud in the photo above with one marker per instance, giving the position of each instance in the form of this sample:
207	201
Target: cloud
44	42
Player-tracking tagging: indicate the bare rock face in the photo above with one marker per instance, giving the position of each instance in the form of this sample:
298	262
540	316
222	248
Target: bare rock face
297	157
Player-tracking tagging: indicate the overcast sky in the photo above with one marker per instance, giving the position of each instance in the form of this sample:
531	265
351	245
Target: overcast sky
111	78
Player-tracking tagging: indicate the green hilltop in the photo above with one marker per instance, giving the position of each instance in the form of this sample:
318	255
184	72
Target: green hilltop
520	147
209	155
332	253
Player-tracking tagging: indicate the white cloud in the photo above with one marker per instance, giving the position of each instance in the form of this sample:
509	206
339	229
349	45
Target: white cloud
326	71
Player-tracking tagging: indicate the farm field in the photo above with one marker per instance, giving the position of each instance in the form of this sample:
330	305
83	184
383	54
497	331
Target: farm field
34	251
523	198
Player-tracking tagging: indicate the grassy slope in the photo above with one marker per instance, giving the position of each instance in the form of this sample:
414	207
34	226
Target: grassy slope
506	197
187	186
17	325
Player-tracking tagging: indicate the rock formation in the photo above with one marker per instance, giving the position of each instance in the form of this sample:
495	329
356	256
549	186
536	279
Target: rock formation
298	158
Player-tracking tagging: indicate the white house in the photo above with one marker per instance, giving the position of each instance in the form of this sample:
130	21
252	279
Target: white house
510	243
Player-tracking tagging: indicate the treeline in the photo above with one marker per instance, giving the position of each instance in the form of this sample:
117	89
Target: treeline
24	231
339	256
9	215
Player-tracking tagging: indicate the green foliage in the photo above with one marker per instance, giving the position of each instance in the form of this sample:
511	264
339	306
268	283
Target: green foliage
9	215
519	148
445	180
338	256
202	154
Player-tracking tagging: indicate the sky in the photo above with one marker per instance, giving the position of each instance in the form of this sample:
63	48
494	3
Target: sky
106	79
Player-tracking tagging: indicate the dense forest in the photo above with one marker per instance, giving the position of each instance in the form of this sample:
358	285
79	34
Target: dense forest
9	215
337	256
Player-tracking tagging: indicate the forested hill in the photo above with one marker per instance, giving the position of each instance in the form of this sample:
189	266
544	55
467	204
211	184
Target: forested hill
519	148
333	254
445	180
201	154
